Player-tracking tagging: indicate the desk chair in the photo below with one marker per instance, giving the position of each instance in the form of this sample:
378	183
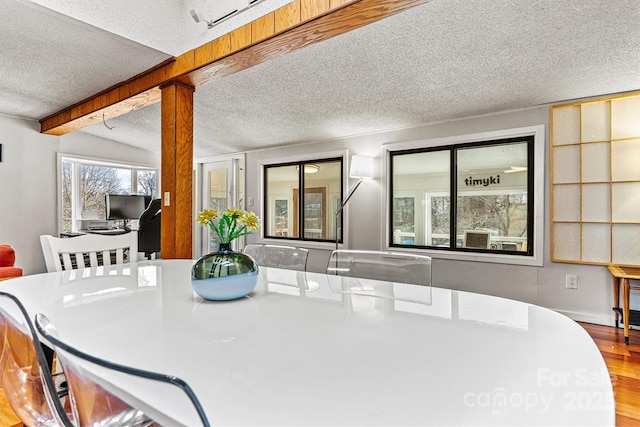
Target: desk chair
107	394
397	267
288	257
88	250
25	375
149	230
7	261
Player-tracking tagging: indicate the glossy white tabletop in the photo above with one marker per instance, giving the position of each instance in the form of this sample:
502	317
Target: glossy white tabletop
312	349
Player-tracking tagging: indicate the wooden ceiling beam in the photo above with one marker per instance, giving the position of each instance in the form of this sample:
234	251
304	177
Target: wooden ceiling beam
287	29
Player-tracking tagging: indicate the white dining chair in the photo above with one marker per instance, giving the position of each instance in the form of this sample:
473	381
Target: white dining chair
89	250
104	393
381	265
287	257
32	391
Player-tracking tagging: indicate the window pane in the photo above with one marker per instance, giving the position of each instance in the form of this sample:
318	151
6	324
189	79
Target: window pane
218	190
404	223
147	182
85	183
440	222
492	197
421	214
67	194
96	181
310	210
281	196
321	195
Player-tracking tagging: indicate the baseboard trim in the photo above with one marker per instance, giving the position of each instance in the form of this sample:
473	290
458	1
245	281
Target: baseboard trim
598	319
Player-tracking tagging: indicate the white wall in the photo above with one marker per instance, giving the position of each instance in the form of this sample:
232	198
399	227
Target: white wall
544	286
28	209
28	192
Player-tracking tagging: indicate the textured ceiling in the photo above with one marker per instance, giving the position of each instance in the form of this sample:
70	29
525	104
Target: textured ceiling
436	62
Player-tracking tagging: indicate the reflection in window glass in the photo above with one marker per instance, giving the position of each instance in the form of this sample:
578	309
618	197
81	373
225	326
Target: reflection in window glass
492	196
417	178
218	190
310	212
492	210
404	223
282	185
439	225
218	200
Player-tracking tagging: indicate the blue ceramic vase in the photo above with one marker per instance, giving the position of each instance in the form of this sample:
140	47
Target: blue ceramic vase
224	275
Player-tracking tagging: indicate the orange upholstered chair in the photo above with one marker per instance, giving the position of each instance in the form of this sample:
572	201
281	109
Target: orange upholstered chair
7	261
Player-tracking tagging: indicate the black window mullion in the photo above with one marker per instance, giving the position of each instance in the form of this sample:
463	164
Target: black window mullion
301	215
453	200
530	193
391	196
265	200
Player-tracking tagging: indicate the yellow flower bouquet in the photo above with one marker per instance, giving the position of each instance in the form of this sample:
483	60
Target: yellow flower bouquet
231	224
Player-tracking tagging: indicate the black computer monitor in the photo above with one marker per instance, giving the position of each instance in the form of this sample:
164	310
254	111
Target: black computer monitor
124	206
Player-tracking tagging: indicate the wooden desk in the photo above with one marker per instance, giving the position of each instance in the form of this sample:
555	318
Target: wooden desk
621	276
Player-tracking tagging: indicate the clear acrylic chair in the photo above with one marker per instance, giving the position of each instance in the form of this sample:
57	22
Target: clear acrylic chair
288	257
380	265
88	250
104	393
25	375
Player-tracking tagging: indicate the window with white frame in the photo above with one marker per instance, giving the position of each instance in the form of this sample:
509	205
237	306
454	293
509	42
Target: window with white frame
301	200
85	182
464	196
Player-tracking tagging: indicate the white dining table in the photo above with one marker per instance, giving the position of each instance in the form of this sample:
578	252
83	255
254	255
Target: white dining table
309	349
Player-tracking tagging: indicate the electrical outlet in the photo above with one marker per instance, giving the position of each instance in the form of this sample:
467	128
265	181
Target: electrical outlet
571	281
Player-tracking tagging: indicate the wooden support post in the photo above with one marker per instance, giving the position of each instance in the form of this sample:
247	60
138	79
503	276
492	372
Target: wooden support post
177	171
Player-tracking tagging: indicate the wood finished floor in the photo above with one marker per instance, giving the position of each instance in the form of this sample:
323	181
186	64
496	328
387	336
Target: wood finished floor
623	362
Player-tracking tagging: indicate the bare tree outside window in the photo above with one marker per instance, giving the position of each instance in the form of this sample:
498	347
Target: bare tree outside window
504	214
67	207
95	182
147	182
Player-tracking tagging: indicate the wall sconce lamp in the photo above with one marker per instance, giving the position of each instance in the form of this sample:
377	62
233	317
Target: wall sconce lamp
361	168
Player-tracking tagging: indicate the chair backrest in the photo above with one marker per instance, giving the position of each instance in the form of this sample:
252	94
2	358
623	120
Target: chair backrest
89	250
288	257
108	394
7	260
25	376
380	265
149	228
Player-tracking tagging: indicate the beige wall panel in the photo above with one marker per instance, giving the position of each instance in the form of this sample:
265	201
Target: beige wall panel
625	199
596	124
567	242
625	160
625	118
566	164
595	203
566	125
596	243
626	249
596	162
566	202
